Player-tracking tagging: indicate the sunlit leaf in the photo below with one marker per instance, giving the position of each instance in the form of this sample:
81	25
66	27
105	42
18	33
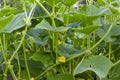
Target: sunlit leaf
4	21
16	23
6	11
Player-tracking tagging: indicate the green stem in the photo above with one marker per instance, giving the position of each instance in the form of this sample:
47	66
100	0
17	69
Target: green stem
3	52
110	50
67	21
4	57
4	2
113	51
46	70
15	52
116	63
70	67
19	68
94	39
88	41
26	64
62	69
93	45
12	73
80	53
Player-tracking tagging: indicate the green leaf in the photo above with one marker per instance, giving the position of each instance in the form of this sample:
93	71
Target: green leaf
46	26
51	2
88	29
60	29
45	59
100	2
4	21
98	64
115	10
68	51
35	67
16	23
60	77
114	73
92	10
7	11
87	15
70	2
115	30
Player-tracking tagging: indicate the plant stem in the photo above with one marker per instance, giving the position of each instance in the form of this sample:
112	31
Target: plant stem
26	64
4	2
88	41
116	63
12	73
110	50
46	70
22	39
3	52
15	52
19	68
4	56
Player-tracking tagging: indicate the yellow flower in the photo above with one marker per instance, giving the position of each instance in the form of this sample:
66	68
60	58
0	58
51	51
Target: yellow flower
62	59
59	42
32	78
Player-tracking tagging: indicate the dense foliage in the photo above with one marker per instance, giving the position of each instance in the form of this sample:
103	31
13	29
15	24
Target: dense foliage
53	40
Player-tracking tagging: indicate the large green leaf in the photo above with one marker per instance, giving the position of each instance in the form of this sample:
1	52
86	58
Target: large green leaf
45	59
4	21
87	14
46	26
92	10
60	77
16	23
114	73
98	64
